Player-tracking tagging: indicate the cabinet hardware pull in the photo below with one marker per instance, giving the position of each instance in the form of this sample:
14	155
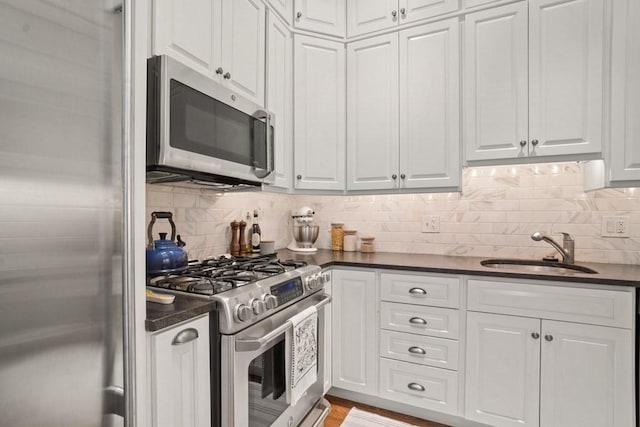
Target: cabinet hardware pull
417	350
415	387
417	321
227	75
299	177
403	176
219	70
394	176
185	336
548	337
535	335
417	291
523	143
534	142
403	12
394	13
299	15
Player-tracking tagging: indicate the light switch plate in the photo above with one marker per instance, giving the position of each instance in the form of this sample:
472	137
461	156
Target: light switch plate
430	224
615	226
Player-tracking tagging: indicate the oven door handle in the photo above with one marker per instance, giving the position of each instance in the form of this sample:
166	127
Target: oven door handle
258	343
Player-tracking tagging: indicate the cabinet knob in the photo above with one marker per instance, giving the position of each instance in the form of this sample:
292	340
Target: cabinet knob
523	143
227	75
415	387
403	12
299	177
394	176
548	337
535	335
417	321
394	13
534	142
403	176
219	70
299	15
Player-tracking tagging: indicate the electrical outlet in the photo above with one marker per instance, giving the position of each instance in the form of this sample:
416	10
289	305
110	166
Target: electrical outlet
615	226
430	224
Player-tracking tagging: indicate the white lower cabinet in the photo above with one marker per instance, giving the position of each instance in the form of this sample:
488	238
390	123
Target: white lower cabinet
354	331
179	375
528	371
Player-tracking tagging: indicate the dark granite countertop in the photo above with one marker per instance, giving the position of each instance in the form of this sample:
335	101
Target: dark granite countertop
608	274
160	316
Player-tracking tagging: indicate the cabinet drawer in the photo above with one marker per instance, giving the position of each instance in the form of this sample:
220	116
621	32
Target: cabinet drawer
421	320
555	302
420	289
421	386
438	352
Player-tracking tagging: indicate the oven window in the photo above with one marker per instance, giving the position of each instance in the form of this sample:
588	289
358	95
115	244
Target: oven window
203	125
267	386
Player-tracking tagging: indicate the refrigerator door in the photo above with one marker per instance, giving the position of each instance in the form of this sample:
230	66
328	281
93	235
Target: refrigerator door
61	213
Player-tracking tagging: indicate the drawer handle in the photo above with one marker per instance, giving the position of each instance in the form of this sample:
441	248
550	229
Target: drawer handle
417	350
415	387
185	336
417	291
417	321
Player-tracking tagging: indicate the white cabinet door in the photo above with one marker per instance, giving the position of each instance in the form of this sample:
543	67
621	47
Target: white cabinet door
365	16
355	331
243	47
624	150
586	376
284	9
321	16
503	370
180	377
565	76
429	106
319	114
414	10
496	102
183	30
280	96
327	340
372	113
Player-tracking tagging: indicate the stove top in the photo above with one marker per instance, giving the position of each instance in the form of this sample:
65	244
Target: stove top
214	275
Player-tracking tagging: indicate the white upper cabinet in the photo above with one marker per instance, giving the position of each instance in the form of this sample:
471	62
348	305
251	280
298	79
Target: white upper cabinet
403	112
284	8
320	16
430	106
223	39
319	114
365	16
534	79
624	148
280	95
372	113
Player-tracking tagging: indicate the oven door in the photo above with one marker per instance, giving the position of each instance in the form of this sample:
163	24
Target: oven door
256	371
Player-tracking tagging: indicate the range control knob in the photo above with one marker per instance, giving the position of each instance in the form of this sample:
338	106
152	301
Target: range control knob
243	312
312	282
270	301
258	306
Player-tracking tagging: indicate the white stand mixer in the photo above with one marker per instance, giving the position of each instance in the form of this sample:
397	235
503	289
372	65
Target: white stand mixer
305	233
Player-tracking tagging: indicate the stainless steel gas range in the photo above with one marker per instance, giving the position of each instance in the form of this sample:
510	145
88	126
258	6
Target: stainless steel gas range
252	340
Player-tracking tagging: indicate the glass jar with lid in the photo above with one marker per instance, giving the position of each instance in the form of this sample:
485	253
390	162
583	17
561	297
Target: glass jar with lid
350	241
337	236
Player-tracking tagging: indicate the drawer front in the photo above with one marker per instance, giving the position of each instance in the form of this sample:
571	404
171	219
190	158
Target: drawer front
430	351
421	320
555	302
438	291
421	386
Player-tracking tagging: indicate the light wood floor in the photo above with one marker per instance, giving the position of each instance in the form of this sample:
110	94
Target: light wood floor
341	407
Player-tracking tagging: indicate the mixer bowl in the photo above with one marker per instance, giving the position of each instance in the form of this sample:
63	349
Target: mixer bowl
305	234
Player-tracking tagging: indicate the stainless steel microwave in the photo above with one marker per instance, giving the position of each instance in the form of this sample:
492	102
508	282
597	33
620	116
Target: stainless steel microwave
202	132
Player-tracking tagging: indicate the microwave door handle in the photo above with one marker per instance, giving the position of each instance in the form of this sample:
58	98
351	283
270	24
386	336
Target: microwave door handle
261	114
259	343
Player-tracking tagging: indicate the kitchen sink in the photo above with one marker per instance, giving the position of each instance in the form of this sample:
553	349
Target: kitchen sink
534	266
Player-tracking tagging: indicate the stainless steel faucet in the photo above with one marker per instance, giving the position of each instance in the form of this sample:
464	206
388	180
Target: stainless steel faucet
567	250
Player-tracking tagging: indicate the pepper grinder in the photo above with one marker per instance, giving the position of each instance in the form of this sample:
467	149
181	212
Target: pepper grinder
235	245
242	243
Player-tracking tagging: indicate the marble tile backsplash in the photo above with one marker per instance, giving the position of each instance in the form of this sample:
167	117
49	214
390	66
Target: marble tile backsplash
493	216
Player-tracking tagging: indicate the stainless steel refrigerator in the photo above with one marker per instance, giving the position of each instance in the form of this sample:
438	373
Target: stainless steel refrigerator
62	192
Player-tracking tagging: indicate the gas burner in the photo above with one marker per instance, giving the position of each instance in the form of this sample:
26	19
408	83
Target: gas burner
293	263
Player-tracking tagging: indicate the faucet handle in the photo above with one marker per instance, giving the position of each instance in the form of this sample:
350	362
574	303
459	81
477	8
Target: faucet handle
566	236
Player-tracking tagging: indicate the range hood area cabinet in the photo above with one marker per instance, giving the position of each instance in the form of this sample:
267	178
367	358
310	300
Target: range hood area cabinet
533	79
403	112
222	39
